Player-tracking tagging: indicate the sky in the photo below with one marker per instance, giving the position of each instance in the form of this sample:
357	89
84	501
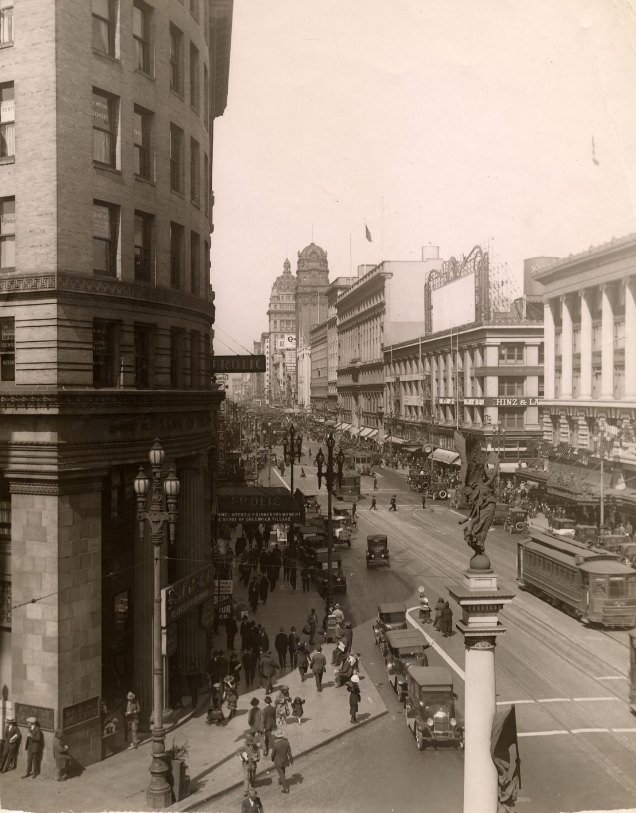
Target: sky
435	122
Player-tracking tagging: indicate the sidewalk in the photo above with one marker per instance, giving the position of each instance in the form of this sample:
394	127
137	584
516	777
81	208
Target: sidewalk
120	782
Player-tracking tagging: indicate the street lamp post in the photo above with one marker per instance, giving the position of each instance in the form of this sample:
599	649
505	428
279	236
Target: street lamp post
329	475
159	794
604	443
290	450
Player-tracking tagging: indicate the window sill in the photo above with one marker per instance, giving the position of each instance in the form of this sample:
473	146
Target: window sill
8	159
196	204
149	181
177	193
177	93
106	168
6	45
108	57
145	74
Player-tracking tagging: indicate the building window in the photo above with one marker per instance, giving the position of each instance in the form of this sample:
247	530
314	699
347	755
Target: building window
619	381
206	266
194	9
6	22
596	382
510	386
104	26
195	172
176	60
5	603
104	127
143	355
7	121
541	387
195	363
511	418
511	353
557	343
143	247
142	138
7	234
105	236
141	36
105	353
176	159
576	383
194	77
206	185
596	337
557	383
195	263
176	357
541	354
576	339
176	255
619	333
206	96
7	349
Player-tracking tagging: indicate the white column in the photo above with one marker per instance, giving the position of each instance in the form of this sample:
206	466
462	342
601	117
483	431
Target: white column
566	350
607	345
586	347
480	773
548	348
630	339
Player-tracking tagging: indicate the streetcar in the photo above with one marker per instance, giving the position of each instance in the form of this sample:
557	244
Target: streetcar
591	584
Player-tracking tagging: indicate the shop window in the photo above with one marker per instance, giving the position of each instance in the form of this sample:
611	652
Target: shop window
176	60
105	110
5	603
105	237
195	92
143	247
143	355
7	234
7	121
142	139
7	349
6	23
104	19
195	172
176	255
176	159
105	353
141	35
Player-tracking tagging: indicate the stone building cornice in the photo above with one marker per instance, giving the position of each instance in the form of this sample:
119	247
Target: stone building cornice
107	401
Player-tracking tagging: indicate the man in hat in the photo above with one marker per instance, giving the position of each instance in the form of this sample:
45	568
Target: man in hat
252	802
280	643
61	756
268	722
282	758
318	666
34	745
353	688
249	756
267	669
12	740
132	718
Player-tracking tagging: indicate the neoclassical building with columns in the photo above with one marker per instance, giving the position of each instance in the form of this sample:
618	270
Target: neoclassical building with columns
590	362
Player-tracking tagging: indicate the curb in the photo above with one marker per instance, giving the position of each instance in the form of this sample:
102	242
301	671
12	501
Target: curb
331	738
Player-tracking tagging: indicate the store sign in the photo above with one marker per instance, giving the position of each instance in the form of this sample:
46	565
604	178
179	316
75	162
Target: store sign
239	364
179	598
44	716
224	607
446	401
515	401
473	401
223	587
80	713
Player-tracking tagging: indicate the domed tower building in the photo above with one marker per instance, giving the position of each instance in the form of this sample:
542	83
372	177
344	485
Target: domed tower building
281	360
312	277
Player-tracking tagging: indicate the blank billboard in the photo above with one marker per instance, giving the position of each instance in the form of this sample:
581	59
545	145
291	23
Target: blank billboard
453	304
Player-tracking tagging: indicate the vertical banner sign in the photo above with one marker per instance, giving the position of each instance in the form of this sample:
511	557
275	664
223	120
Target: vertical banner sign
220	440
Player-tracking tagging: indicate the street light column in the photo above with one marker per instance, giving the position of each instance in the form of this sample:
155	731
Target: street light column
329	481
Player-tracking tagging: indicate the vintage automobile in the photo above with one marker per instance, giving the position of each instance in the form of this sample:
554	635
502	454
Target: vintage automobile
403	648
501	513
320	574
340	531
430	707
378	550
516	521
390	616
308	504
309	539
344	513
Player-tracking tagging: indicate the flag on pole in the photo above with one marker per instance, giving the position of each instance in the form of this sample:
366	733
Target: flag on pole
595	160
368	233
503	738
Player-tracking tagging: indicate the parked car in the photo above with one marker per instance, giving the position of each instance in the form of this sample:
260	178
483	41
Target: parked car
430	707
403	648
390	616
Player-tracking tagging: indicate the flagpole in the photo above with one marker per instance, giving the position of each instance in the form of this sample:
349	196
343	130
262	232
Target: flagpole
350	262
382	229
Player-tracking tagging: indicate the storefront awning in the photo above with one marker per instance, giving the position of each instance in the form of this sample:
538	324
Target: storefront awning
256	504
354	431
446	456
398	441
373	433
413	447
367	431
346	427
338	425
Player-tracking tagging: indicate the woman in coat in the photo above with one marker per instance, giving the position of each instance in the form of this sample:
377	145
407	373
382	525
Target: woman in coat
446	620
438	612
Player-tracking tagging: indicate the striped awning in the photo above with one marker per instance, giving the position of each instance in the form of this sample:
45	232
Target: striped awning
366	431
346	427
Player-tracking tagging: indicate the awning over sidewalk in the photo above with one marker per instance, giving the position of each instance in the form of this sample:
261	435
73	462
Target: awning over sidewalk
346	427
446	456
392	439
354	431
373	433
508	468
256	504
366	432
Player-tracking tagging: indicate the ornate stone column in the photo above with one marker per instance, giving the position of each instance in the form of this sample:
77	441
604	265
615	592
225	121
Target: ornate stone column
566	350
480	600
548	337
630	340
586	347
607	345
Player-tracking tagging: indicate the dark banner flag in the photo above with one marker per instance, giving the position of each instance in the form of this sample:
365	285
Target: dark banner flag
504	749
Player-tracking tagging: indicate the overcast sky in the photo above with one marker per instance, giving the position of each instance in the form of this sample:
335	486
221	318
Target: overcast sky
438	122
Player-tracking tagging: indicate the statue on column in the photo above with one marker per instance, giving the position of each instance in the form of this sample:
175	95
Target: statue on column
478	481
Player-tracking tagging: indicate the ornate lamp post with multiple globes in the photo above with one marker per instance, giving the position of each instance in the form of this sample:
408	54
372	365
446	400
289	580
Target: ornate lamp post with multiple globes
329	476
291	449
158	795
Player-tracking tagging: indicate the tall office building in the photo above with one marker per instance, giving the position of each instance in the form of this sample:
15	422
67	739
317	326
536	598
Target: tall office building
282	338
107	110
